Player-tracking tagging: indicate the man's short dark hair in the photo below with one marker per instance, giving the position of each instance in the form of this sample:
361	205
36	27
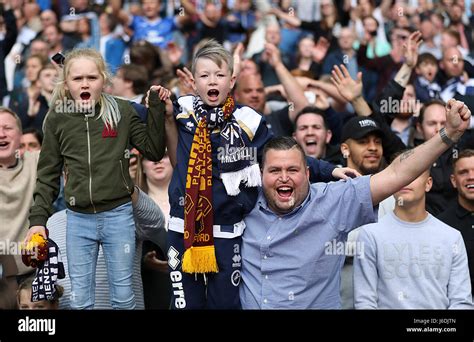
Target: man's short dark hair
421	117
36	132
282	144
466	153
312	110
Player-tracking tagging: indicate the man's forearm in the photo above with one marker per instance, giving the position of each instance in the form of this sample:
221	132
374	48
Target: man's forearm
331	90
403	75
406	168
361	106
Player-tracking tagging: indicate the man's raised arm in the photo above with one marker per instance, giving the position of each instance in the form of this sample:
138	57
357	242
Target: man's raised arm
412	163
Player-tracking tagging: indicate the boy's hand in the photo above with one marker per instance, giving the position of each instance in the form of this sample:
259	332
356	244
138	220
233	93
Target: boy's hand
348	88
410	49
152	262
345	173
164	95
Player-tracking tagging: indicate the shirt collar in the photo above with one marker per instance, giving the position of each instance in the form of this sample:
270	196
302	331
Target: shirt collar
461	211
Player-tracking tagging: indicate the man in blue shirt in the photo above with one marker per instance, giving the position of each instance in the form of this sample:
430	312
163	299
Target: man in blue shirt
293	246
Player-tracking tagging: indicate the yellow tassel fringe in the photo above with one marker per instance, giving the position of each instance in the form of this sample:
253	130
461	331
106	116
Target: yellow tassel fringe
200	260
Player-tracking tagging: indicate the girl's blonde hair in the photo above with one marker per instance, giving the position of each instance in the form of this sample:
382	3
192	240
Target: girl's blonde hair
109	111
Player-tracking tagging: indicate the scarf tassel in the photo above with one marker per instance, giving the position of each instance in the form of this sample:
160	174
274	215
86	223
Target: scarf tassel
200	259
250	175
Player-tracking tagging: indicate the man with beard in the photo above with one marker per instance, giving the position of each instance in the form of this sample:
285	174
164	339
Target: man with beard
362	145
459	214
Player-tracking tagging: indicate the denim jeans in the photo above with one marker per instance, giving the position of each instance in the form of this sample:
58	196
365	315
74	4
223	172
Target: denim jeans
115	230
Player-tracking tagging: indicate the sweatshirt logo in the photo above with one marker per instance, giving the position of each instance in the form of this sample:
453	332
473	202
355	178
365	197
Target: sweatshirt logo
109	132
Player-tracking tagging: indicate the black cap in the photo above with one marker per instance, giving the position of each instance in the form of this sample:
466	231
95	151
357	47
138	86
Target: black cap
359	127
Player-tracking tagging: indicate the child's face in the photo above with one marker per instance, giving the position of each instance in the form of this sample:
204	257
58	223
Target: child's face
84	82
47	79
25	303
211	82
428	70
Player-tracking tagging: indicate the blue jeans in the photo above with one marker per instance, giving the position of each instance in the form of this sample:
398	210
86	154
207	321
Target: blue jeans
115	230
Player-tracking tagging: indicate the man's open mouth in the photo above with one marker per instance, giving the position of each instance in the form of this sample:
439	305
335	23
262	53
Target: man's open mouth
311	142
4	144
285	191
85	96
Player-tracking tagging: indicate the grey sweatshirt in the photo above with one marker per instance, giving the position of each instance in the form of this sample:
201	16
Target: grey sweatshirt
408	265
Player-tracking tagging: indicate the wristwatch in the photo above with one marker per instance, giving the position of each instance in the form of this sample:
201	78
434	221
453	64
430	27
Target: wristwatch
447	140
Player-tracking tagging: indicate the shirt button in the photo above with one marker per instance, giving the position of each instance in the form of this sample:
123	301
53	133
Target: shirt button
269	237
279	219
265	301
266	276
264	256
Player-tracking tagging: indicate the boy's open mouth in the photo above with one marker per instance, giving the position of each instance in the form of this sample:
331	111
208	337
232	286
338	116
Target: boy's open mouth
213	94
85	96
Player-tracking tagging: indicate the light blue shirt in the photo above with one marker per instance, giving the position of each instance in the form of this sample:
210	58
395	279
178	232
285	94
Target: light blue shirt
290	262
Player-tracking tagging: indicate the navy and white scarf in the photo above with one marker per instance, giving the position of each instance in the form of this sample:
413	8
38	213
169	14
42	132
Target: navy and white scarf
47	273
234	159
